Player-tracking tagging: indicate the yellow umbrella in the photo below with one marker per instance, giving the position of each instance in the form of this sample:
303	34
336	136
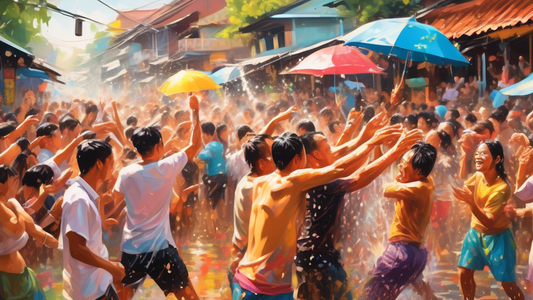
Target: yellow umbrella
187	81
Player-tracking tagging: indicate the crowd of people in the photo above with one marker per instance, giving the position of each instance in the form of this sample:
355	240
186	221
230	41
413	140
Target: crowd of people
90	178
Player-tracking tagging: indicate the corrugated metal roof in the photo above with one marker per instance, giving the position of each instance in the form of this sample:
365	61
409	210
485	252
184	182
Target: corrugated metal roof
478	16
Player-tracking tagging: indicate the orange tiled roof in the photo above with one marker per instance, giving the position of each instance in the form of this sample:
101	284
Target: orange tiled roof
478	16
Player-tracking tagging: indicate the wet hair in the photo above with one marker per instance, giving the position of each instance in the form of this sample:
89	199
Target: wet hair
220	129
331	126
243	130
6	171
131	120
33	111
307	125
90	152
395	119
429	117
454	113
424	157
480	126
38	175
144	139
91	108
208	128
255	149
423	106
260	107
471	118
309	142
327	114
6	128
10	117
46	129
368	114
500	114
68	123
412	119
285	148
496	150
445	140
48	117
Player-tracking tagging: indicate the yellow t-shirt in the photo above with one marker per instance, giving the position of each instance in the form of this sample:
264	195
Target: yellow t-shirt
413	209
491	199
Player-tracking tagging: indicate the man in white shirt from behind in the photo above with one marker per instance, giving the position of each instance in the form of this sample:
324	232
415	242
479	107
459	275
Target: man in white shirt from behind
87	271
148	248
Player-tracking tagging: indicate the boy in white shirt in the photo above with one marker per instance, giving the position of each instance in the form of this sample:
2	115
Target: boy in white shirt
147	244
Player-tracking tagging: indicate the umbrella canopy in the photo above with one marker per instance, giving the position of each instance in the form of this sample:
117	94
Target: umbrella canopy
336	60
187	81
406	38
226	74
522	88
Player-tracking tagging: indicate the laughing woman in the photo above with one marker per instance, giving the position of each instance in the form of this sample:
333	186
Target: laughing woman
489	241
17	281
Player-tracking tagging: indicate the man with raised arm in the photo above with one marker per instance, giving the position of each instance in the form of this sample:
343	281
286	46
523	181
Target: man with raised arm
148	248
318	263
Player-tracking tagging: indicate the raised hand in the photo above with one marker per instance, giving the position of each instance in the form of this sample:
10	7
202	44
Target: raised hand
525	158
386	134
194	103
408	139
463	194
287	114
31	120
377	122
519	138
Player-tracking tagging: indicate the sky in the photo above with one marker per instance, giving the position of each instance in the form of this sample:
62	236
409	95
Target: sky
60	30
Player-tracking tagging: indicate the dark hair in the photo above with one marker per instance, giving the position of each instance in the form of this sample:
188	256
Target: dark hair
260	106
220	129
285	148
500	114
68	123
128	132
144	139
368	114
471	118
480	126
243	130
424	157
10	117
455	127
309	142
91	108
445	140
255	149
454	113
413	119
38	175
33	111
6	171
6	128
208	128
496	150
423	106
395	119
46	129
48	117
90	152
428	116
331	126
307	125
131	120
327	113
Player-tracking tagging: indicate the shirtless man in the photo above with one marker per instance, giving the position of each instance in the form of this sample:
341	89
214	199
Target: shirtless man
404	259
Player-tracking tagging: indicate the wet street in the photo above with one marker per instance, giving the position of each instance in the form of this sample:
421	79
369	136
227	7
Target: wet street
207	264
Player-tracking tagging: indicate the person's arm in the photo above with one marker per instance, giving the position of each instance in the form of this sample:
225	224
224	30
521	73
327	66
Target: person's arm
196	138
55	187
354	121
121	136
79	251
523	172
406	191
10	154
433	139
23	110
21	129
10	223
271	126
33	230
493	204
64	154
378	122
366	175
309	178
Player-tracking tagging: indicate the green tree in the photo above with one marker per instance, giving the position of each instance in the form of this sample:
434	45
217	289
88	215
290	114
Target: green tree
244	12
21	21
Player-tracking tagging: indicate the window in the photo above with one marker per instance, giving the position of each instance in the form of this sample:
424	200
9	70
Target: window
162	43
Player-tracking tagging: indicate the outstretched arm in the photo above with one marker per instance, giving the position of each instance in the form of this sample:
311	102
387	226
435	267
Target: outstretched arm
354	121
9	222
196	138
35	231
13	136
271	126
309	178
363	177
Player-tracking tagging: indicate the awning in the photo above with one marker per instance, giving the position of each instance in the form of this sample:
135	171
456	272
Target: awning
15	46
159	61
122	72
112	65
147	79
25	73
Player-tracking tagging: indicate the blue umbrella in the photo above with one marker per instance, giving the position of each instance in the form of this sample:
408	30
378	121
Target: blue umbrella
225	74
407	39
522	88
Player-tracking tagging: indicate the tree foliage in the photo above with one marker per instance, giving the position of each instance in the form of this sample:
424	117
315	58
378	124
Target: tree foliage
20	21
244	12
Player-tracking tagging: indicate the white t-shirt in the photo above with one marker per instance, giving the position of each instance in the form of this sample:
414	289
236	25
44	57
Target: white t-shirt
80	215
525	192
242	211
148	193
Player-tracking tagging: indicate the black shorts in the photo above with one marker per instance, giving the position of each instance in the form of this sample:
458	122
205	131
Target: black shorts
165	267
109	294
216	188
